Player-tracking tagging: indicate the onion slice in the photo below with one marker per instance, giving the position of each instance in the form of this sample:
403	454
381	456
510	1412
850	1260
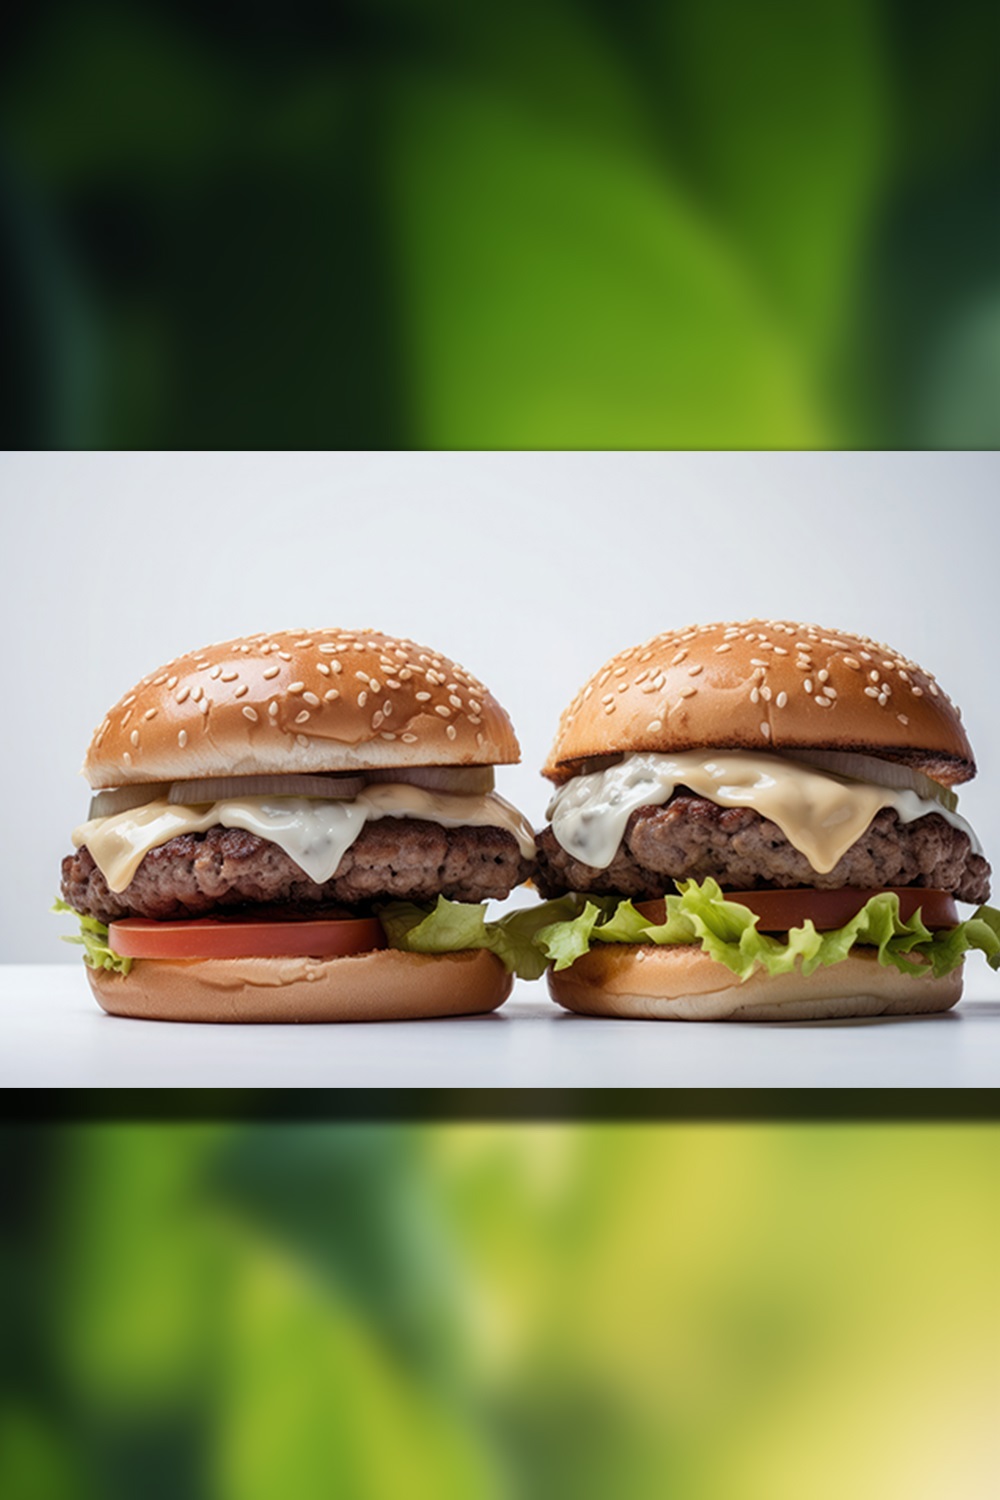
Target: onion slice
222	788
464	781
887	773
118	799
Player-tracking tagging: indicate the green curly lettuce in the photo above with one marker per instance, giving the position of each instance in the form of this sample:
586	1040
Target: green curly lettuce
727	931
455	926
93	938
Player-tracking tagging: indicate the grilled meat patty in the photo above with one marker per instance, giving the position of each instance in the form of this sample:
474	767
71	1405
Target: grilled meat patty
692	837
197	874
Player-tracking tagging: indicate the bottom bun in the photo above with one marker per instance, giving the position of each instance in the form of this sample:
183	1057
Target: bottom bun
385	985
683	983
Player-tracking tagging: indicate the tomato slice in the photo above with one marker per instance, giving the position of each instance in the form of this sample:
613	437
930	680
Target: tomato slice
779	910
245	937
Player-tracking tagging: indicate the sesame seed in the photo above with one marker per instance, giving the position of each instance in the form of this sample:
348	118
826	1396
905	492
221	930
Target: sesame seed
134	736
303	740
821	701
326	648
871	692
917	692
765	729
287	656
808	685
203	706
443	710
902	719
865	655
781	651
755	661
230	676
654	725
337	666
474	719
296	687
781	700
249	713
873	676
150	713
198	693
128	700
331	696
362	698
451	731
676	660
823	675
270	672
724	647
171	682
934	688
182	737
377	718
306	642
754	695
387	736
693	671
310	698
126	757
455	701
125	719
303	717
215	673
765	693
687	692
408	739
242	690
272	708
423	697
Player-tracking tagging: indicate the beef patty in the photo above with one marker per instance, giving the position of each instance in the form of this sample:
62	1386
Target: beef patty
406	859
692	837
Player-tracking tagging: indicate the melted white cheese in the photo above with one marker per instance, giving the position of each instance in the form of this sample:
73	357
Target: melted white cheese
313	833
819	813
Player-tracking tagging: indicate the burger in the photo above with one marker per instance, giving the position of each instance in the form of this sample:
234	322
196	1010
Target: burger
757	821
300	826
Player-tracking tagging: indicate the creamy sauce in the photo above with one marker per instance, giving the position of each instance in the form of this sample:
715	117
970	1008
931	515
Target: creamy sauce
819	813
313	833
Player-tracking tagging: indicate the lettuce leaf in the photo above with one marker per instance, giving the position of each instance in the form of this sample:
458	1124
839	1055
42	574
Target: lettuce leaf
454	926
726	930
93	937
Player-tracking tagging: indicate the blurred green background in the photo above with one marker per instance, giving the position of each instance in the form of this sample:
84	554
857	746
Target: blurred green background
500	1310
618	223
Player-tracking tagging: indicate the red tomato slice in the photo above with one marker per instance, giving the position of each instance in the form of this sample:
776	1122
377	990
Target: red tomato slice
245	937
779	910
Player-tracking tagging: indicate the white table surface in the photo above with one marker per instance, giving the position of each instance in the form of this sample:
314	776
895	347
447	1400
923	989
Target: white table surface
53	1035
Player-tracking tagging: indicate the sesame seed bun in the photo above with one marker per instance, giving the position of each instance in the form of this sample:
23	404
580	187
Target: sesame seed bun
645	982
386	985
299	701
764	685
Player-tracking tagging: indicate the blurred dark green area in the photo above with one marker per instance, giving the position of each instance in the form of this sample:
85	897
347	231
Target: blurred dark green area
617	223
478	1310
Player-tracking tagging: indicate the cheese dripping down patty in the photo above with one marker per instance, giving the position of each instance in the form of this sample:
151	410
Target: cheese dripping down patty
819	813
314	833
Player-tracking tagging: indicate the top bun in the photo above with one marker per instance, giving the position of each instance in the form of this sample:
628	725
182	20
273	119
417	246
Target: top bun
764	685
300	701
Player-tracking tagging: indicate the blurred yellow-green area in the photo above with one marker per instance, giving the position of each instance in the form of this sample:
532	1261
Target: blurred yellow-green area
748	1311
388	223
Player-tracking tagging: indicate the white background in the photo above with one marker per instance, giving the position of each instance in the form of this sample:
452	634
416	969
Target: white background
530	569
